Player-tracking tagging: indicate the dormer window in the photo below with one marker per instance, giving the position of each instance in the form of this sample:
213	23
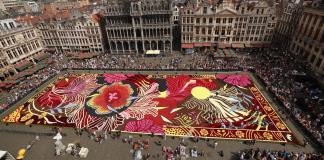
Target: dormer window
205	10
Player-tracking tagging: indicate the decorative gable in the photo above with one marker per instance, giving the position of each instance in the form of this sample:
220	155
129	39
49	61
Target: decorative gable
226	11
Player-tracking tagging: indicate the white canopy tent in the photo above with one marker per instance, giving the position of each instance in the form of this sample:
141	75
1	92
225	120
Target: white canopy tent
152	52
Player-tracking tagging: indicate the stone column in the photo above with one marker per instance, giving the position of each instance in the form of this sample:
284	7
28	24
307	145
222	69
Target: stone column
122	43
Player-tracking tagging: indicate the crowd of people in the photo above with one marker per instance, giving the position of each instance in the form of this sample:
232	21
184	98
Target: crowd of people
260	154
276	70
280	75
30	83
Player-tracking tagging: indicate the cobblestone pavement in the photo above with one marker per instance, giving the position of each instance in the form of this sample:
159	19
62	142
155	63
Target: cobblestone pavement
14	137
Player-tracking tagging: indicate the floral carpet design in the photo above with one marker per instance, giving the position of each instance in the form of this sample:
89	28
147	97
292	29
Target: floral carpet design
225	106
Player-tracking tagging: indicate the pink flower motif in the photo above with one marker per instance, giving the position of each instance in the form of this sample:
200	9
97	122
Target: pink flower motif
111	78
221	76
143	126
238	80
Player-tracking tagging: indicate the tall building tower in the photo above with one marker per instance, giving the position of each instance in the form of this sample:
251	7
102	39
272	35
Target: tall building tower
288	20
308	40
139	26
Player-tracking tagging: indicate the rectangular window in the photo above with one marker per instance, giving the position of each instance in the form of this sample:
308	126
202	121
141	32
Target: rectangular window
13	39
10	55
19	51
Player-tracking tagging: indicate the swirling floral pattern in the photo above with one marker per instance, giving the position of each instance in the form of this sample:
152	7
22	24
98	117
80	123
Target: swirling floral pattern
183	105
239	134
267	136
179	88
111	78
235	79
281	126
143	126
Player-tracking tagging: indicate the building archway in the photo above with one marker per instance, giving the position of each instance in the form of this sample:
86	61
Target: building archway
113	46
140	46
132	45
160	45
126	46
153	45
119	46
167	45
147	45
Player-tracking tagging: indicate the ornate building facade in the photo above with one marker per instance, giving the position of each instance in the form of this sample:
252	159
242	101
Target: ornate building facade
308	40
138	26
215	24
17	44
291	13
77	35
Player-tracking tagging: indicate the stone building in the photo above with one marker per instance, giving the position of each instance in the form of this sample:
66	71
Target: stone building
77	35
10	3
212	24
17	44
308	41
138	26
291	13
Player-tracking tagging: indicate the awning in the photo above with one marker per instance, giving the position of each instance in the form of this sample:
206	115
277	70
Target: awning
257	45
202	44
41	56
238	45
23	65
233	52
187	45
266	45
152	52
248	45
221	45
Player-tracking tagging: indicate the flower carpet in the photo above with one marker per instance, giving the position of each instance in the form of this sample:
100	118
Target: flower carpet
227	106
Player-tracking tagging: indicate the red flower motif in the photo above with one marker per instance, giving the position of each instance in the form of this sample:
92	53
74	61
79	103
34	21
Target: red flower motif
50	99
111	98
111	78
179	88
143	126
